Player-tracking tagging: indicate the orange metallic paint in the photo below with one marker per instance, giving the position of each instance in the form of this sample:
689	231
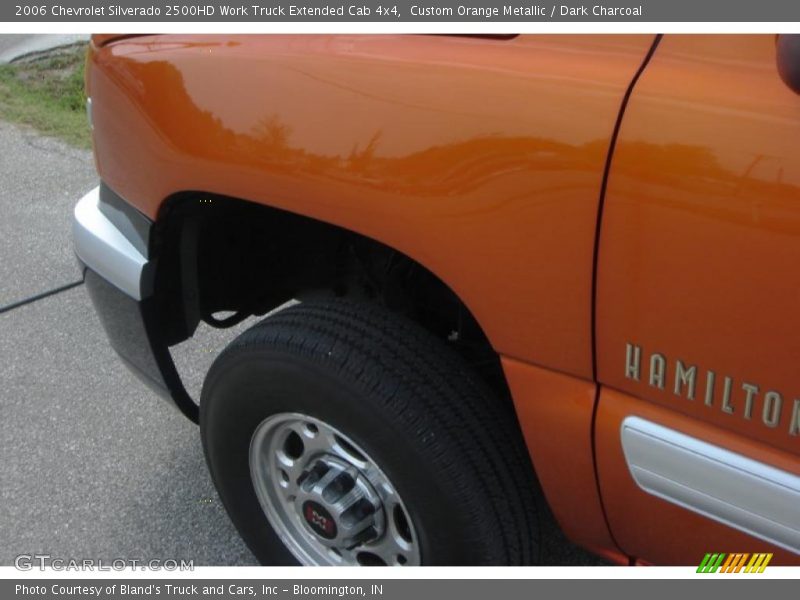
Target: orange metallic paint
480	158
555	413
483	160
700	244
651	529
699	255
101	39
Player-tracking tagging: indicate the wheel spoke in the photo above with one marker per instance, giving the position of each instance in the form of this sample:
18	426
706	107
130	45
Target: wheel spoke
316	442
287	472
392	549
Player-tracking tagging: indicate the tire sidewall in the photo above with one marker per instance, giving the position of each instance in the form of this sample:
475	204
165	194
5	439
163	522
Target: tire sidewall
250	385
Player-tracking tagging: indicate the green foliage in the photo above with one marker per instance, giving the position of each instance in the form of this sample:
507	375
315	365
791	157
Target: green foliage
46	92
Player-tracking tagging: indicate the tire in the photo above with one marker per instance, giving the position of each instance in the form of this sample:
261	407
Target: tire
452	450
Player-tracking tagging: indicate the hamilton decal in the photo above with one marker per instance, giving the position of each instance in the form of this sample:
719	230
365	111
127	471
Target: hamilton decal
682	379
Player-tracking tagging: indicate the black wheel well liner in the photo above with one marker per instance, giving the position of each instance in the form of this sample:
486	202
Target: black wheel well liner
218	254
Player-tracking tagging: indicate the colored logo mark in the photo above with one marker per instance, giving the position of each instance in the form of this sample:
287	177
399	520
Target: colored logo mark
734	563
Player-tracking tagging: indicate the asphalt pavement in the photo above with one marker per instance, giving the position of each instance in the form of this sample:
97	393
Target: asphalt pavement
94	465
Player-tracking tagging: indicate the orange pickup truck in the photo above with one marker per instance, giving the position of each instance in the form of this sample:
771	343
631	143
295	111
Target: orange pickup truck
497	272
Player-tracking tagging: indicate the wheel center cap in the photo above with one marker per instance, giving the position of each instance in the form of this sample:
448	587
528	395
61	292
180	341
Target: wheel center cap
319	520
337	503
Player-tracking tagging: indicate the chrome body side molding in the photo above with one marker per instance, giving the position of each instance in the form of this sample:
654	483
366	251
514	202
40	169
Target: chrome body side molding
742	493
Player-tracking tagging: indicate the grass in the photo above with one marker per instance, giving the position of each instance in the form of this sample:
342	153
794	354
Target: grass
46	92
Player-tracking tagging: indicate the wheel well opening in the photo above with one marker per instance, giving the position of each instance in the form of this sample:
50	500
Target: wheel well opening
221	260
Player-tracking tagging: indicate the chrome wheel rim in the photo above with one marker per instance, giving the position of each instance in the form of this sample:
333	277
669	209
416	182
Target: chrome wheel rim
325	497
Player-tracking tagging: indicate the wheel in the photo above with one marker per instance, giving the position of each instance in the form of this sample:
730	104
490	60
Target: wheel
338	433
